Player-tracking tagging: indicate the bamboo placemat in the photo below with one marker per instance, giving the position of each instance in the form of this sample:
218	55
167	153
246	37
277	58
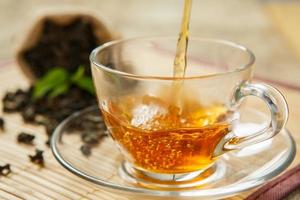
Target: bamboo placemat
28	181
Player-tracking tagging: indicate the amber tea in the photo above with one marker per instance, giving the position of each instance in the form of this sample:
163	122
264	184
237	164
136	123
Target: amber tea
159	137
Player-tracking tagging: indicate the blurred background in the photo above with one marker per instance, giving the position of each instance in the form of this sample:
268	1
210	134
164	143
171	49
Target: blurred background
269	28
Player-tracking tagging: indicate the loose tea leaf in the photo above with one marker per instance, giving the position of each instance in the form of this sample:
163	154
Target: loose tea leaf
90	137
2	124
92	131
28	114
86	149
13	102
82	81
5	170
78	74
25	138
86	83
60	89
38	158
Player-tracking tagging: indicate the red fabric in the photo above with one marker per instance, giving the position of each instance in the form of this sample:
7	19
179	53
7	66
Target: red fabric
280	187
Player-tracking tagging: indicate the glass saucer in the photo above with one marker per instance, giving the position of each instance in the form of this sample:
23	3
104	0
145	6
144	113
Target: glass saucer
233	172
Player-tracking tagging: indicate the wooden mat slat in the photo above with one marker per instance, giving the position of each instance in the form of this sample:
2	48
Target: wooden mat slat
64	193
50	193
106	196
3	195
9	196
74	190
10	185
52	173
63	181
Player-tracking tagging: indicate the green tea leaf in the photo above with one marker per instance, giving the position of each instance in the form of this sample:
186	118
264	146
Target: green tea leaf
86	83
40	90
60	89
82	81
52	79
78	74
58	81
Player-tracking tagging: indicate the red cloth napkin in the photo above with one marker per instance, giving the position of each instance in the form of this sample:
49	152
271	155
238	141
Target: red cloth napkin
280	187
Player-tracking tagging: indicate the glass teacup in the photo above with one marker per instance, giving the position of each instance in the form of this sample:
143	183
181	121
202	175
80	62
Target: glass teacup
171	134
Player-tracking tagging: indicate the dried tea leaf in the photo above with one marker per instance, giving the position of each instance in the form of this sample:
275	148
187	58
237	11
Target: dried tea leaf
25	138
38	158
5	170
86	150
2	123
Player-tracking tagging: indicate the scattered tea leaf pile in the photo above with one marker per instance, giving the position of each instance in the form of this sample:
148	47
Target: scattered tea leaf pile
67	45
60	61
47	111
24	138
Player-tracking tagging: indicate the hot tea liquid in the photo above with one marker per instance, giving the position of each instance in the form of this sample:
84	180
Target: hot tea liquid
159	137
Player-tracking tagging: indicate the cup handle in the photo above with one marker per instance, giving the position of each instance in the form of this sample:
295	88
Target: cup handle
278	108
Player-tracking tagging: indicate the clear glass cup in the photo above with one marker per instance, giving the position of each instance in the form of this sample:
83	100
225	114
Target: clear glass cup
169	135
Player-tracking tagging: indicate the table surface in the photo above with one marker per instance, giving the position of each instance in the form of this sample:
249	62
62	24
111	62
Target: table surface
270	29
